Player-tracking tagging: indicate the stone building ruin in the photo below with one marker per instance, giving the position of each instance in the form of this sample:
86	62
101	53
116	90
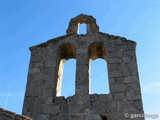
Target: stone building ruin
42	100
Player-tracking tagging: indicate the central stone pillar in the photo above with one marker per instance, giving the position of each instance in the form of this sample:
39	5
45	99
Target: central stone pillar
82	72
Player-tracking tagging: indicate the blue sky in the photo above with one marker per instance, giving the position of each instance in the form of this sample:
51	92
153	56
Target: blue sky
24	23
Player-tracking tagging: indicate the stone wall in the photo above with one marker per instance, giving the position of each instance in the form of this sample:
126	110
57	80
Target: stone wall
7	115
42	100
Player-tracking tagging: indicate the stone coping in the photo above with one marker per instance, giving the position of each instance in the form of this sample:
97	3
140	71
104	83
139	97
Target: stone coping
54	40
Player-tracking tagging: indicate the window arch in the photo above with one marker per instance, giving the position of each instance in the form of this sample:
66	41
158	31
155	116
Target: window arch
92	26
82	28
97	50
98	54
99	76
68	80
66	51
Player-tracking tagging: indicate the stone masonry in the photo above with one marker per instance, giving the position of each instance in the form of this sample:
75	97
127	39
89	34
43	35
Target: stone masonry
7	115
42	98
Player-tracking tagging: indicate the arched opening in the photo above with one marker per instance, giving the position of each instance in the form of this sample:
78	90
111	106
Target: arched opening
99	70
99	77
66	53
90	23
82	28
68	79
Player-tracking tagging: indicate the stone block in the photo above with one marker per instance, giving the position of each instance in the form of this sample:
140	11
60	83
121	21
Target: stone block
125	105
34	71
138	104
112	81
118	88
119	96
131	79
126	59
133	95
115	73
45	100
105	97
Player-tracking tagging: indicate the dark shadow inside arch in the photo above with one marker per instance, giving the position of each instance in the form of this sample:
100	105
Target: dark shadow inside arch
67	51
97	50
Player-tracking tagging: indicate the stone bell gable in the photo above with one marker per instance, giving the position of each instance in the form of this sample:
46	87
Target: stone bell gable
43	100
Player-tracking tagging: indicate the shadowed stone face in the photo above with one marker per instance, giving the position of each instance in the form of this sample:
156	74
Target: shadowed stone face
42	98
97	50
67	51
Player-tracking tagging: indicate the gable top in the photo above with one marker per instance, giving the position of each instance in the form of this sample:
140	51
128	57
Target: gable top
93	31
82	18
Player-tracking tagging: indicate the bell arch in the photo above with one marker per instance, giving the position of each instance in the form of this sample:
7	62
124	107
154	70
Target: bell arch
65	52
97	50
98	58
90	22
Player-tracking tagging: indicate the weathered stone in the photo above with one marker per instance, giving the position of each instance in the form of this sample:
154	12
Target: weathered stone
131	79
138	104
34	71
119	96
126	59
93	117
125	105
118	88
7	115
133	95
46	70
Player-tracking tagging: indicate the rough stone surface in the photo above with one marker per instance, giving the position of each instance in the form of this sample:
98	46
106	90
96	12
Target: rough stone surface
7	115
42	100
